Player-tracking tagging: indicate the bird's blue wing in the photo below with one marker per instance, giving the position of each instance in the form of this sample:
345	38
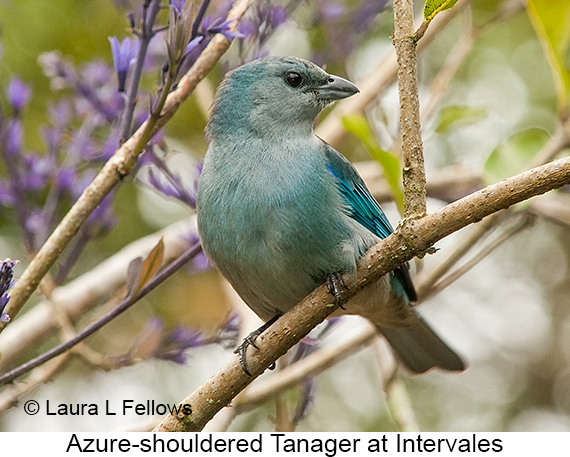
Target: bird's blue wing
361	205
364	209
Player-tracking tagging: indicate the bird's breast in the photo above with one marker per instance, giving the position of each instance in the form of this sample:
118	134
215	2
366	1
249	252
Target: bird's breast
275	229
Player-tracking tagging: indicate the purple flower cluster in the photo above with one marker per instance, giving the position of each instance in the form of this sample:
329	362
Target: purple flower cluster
156	341
39	186
7	281
259	24
171	184
97	107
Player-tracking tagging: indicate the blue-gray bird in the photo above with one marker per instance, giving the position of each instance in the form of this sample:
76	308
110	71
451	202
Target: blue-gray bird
280	211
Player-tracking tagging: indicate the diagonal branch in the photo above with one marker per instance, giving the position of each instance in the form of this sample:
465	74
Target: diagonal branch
412	238
116	169
82	295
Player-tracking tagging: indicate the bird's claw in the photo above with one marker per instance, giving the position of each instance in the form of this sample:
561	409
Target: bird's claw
249	340
335	283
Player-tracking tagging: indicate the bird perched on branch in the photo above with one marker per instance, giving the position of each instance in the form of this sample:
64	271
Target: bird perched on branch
281	212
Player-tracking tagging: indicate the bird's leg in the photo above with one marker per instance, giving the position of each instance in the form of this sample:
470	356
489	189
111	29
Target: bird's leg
334	284
249	340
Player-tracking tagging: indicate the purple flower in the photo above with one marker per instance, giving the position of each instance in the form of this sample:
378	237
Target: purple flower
220	26
37	223
124	54
65	178
37	171
18	94
366	12
82	182
60	113
110	145
60	71
50	136
102	220
178	5
333	10
265	18
156	341
174	345
276	15
259	25
193	44
82	145
6	196
7	281
14	137
97	73
163	179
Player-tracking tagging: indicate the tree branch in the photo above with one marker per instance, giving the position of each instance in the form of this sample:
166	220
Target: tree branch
116	169
410	239
413	173
86	292
379	79
125	304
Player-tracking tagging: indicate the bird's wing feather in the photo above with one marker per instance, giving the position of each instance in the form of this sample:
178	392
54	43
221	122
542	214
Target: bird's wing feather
361	205
363	208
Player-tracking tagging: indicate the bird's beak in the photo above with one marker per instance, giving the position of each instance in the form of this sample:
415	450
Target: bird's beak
336	88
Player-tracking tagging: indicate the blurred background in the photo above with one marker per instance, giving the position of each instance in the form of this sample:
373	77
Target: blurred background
492	94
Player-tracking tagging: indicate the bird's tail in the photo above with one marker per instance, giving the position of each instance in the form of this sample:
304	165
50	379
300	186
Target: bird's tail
420	349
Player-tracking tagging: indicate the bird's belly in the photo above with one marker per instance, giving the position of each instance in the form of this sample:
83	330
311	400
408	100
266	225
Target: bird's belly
276	249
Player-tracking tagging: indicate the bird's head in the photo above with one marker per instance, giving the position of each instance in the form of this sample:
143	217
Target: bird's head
274	94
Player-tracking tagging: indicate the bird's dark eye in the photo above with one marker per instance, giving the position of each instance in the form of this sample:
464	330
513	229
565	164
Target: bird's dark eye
293	79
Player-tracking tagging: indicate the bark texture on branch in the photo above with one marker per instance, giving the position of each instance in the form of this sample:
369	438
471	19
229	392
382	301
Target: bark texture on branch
412	238
413	173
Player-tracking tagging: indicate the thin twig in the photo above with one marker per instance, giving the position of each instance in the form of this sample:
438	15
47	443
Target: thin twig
39	376
553	207
425	281
397	395
158	279
400	406
507	234
116	169
311	365
85	293
150	13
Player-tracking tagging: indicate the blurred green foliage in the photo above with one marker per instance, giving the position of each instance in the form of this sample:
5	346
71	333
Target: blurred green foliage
28	28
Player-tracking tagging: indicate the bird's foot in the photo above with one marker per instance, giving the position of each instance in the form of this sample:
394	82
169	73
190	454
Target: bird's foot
249	340
335	283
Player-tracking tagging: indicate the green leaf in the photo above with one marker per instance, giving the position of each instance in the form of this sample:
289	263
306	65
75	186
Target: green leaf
432	7
455	116
514	156
360	128
551	20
